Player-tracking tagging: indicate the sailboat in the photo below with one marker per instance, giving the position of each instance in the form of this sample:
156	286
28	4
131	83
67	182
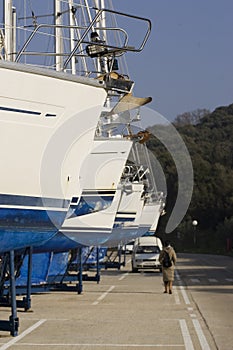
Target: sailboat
50	105
142	205
58	71
90	219
38	106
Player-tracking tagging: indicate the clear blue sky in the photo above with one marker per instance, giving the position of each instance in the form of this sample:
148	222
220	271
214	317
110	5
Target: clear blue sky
188	62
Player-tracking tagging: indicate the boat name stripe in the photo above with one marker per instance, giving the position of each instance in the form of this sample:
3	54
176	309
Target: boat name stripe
18	200
80	229
98	192
19	110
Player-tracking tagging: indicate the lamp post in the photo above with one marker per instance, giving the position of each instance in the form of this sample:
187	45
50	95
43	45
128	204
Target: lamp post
194	223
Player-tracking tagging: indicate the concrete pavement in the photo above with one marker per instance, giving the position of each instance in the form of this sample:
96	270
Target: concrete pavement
124	311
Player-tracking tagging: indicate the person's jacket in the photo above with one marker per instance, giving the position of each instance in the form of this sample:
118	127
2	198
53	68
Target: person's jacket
171	253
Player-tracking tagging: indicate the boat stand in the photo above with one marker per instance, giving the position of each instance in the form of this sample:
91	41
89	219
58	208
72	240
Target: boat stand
78	266
84	277
114	258
78	277
25	303
13	324
96	278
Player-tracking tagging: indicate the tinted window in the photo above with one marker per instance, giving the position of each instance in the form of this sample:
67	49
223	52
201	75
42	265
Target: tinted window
148	249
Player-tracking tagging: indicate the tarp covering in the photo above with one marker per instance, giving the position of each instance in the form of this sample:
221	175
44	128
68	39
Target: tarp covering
47	265
44	265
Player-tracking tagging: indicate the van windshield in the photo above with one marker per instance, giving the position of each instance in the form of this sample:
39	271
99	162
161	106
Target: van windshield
148	249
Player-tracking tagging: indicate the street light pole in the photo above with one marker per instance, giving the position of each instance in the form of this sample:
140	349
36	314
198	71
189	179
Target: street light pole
194	223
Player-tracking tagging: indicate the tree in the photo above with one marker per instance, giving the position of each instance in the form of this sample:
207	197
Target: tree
192	118
209	139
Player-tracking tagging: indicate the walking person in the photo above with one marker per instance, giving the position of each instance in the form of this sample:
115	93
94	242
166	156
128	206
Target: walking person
167	259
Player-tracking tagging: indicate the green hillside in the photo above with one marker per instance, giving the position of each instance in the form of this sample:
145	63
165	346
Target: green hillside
209	139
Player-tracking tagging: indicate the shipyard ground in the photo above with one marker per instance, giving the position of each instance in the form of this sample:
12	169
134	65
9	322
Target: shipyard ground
129	311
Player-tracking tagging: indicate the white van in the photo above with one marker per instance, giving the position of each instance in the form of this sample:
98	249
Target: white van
145	253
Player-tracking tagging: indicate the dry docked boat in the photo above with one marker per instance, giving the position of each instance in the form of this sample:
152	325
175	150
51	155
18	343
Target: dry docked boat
55	77
39	107
91	216
142	204
57	72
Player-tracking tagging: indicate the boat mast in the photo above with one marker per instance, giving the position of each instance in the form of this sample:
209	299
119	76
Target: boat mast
72	38
8	26
103	19
100	4
13	33
58	35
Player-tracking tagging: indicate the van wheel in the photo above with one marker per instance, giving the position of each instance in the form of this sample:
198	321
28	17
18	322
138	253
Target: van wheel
134	269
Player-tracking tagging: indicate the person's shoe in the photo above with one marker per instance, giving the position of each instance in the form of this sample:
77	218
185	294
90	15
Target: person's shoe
170	292
165	291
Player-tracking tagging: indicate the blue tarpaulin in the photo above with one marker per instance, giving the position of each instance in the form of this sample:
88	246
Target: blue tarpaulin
47	265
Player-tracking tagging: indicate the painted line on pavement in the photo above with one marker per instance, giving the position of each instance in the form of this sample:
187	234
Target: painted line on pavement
202	339
183	292
123	276
195	280
19	337
176	295
212	280
185	296
143	346
102	296
177	276
186	335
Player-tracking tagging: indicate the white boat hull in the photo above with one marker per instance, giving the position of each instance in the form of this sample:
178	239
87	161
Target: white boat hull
48	122
93	217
